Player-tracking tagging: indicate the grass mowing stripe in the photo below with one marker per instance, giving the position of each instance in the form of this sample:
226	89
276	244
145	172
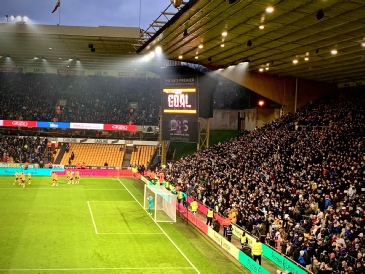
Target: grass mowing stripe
168	237
92	217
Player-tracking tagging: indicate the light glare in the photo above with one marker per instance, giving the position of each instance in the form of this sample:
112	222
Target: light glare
158	50
269	9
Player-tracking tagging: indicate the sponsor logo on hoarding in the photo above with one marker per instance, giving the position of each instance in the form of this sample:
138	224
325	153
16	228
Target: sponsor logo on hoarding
226	246
1	123
53	125
120	127
101	141
19	123
70	140
86	126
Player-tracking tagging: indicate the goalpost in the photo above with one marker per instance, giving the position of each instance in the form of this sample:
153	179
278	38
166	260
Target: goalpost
164	203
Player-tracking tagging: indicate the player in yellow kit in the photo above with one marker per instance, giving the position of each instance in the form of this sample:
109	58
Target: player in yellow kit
77	177
54	179
16	177
72	177
68	175
29	178
22	177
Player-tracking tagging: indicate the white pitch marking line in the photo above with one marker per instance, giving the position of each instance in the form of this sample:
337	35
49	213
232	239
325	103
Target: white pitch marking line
115	201
126	233
92	269
92	217
182	253
120	189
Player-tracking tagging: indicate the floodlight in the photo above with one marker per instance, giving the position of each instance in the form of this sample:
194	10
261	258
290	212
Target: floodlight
158	50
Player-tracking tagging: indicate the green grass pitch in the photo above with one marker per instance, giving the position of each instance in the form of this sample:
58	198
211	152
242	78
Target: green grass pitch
98	226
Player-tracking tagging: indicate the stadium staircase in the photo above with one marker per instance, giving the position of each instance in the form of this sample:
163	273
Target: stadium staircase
127	156
59	155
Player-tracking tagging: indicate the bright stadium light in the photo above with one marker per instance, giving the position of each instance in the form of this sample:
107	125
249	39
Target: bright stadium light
18	18
158	50
25	19
152	54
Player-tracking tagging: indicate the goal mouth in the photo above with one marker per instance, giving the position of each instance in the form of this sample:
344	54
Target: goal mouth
160	203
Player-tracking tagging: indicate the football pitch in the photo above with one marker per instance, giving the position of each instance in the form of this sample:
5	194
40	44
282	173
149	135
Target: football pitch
98	226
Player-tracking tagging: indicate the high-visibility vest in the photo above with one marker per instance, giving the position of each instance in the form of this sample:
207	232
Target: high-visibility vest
179	195
210	213
194	206
243	239
257	248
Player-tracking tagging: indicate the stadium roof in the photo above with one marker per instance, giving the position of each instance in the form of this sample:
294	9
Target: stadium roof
295	30
24	43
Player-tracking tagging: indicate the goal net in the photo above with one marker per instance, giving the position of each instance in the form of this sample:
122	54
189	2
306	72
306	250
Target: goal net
163	203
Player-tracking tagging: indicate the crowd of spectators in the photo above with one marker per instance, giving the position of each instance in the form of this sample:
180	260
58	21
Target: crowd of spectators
96	99
298	183
22	149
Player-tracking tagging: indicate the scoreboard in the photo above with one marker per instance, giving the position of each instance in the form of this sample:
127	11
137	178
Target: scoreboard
180	109
179	101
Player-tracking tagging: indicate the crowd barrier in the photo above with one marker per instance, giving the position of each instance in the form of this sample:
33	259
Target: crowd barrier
216	237
277	258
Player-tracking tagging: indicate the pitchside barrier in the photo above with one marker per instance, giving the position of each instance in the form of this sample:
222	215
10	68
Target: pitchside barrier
277	258
280	260
216	237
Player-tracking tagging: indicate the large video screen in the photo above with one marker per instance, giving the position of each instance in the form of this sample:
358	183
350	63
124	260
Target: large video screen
180	109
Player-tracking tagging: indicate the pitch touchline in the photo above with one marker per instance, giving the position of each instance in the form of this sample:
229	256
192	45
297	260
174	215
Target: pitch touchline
65	188
168	237
126	233
93	269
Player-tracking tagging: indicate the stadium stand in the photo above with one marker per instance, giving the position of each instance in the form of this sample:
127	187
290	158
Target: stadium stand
142	155
95	155
298	183
22	149
84	98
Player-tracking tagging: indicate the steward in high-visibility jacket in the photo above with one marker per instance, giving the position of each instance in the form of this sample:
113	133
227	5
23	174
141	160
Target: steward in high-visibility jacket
194	206
257	251
210	215
243	239
180	196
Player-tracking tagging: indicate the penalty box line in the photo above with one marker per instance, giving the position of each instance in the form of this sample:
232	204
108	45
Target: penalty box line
115	233
168	237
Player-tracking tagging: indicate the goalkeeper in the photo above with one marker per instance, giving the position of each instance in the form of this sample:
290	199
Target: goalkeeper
150	204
